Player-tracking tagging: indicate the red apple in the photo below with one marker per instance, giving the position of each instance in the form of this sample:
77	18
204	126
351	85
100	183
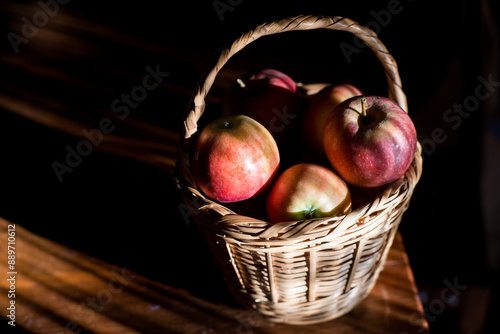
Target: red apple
235	158
307	191
268	96
317	111
370	141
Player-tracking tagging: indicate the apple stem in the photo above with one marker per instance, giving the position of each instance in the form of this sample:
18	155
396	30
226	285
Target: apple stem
363	106
241	83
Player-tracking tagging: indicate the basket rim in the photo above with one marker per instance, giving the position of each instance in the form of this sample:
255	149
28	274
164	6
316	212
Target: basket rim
244	230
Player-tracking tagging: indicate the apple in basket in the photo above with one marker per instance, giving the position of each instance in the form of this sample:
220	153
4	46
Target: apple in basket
270	97
369	140
307	191
235	158
317	111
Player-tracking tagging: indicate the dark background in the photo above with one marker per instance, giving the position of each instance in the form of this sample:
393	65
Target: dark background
126	212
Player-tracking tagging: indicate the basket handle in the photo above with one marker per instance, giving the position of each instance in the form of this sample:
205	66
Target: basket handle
302	22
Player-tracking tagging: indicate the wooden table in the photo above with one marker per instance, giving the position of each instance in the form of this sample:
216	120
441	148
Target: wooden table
61	290
76	239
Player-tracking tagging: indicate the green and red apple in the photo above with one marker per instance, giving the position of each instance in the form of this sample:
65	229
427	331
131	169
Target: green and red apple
369	140
235	158
307	191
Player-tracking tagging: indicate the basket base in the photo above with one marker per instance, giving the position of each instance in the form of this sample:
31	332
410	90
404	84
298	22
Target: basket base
318	311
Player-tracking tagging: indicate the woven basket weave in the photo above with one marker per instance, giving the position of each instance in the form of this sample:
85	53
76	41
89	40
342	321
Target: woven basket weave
299	272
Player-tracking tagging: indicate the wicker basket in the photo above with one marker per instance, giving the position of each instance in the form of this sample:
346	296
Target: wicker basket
299	272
